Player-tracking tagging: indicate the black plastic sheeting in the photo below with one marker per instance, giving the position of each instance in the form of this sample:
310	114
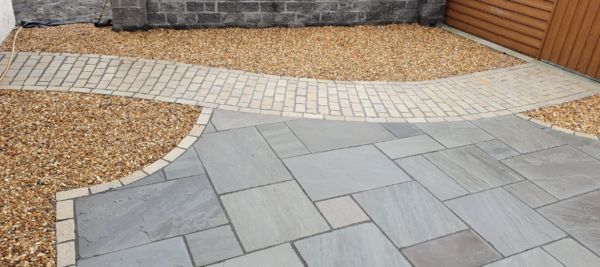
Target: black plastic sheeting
43	24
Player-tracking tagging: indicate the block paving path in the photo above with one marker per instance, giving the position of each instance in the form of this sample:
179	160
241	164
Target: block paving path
268	191
473	96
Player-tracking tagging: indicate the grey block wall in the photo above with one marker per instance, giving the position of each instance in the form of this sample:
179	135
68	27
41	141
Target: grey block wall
185	14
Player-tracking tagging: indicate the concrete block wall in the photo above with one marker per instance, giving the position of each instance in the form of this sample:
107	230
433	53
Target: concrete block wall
185	14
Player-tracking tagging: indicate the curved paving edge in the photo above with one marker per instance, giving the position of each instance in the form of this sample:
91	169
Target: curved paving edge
65	222
473	96
558	128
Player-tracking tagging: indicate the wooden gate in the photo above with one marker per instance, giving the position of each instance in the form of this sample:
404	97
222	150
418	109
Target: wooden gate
565	32
572	40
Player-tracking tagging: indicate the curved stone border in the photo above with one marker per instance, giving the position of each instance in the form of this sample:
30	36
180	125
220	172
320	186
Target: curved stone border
558	128
65	213
484	94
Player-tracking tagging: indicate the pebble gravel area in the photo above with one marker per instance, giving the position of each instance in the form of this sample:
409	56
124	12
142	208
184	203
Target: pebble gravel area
399	52
52	141
581	115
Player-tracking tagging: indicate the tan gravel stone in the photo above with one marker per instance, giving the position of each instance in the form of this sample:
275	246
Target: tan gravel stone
581	115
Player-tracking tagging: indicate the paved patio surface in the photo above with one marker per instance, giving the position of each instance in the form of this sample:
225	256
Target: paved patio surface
261	190
468	97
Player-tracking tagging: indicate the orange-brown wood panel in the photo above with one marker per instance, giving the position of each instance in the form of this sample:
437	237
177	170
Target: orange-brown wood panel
539	4
560	39
520	8
583	35
495	29
575	27
503	13
591	42
517	46
552	32
506	23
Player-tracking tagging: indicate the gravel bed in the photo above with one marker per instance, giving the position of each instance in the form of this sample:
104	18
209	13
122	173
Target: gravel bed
399	52
52	141
581	115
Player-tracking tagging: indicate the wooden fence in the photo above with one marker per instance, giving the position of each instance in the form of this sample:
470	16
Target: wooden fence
565	32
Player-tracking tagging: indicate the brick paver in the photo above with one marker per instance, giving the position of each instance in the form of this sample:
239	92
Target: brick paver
479	95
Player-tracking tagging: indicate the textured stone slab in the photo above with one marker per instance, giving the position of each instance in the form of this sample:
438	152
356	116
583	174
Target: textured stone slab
131	217
166	253
579	217
518	134
209	128
530	193
464	249
188	164
501	219
278	256
436	181
533	258
453	134
273	214
497	149
409	146
225	119
402	130
282	140
571	254
239	159
472	168
341	211
156	177
587	145
408	214
562	171
340	172
356	246
322	135
213	245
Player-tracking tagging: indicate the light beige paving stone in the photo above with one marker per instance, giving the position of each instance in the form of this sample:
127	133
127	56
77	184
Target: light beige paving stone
137	175
572	254
187	142
65	254
64	210
73	193
105	186
65	230
152	168
176	152
341	211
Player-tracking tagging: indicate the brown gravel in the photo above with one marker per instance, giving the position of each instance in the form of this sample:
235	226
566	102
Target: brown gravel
401	52
52	141
581	115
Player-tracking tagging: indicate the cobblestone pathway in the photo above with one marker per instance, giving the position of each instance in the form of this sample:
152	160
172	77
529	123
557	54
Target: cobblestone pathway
480	95
269	191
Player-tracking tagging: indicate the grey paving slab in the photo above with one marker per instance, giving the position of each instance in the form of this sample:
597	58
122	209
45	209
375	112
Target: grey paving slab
225	119
356	246
402	130
126	218
321	135
166	253
279	256
408	214
340	172
501	219
436	181
532	258
453	134
579	217
562	171
464	249
530	193
587	145
188	164
472	168
341	211
209	128
497	149
518	134
409	146
272	215
156	177
239	159
283	141
571	254
213	245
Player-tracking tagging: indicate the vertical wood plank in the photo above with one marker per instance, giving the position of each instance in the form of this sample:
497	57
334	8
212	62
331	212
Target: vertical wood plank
584	35
544	37
562	34
591	42
553	28
575	28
